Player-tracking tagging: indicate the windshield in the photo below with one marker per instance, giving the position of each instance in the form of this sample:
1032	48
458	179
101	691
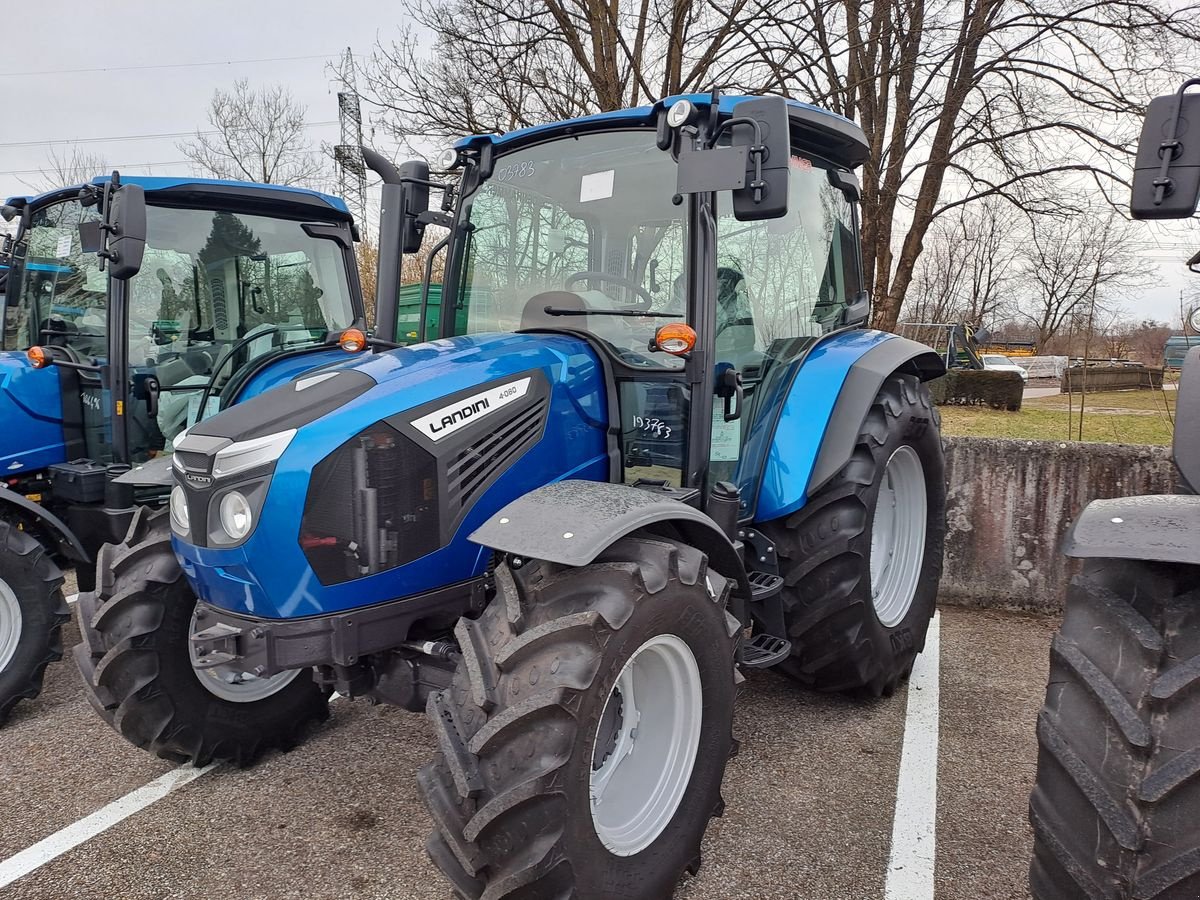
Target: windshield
582	233
997	360
209	280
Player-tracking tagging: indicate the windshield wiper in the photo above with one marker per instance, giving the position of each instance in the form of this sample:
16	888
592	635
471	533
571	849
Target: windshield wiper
635	314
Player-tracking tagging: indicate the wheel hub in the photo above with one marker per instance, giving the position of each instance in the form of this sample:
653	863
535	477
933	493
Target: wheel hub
645	745
10	625
229	681
898	536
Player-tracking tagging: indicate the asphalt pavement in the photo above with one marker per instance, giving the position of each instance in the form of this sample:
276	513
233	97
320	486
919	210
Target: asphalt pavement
810	798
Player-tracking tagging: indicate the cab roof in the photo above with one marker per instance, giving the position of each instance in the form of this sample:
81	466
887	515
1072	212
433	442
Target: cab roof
269	198
813	128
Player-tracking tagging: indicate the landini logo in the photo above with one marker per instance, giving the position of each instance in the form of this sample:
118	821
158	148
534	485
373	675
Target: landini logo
447	420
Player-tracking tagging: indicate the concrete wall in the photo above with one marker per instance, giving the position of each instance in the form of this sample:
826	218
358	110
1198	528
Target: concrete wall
1010	502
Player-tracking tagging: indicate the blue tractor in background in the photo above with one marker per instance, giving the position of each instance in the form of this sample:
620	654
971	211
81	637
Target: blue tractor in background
652	445
133	308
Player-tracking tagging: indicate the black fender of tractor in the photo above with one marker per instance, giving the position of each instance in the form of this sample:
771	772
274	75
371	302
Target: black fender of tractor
1187	422
47	527
572	522
1158	528
863	381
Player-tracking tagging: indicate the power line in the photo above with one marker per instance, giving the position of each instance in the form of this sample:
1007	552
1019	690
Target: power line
132	137
192	65
141	165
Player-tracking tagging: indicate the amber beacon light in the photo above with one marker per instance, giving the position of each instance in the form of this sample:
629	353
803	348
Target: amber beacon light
676	338
38	357
352	340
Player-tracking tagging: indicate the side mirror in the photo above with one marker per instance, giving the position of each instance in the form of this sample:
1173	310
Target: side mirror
126	220
414	180
754	168
1166	174
765	194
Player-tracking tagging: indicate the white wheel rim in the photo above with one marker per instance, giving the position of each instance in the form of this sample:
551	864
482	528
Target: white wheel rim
10	625
230	683
645	747
898	536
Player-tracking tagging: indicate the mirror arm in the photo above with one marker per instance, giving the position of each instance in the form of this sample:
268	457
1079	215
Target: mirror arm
1164	183
757	150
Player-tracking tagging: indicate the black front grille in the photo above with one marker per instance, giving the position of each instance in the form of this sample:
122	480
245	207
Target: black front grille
477	466
372	505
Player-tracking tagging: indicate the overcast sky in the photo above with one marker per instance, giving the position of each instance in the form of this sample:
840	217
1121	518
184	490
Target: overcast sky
152	66
149	84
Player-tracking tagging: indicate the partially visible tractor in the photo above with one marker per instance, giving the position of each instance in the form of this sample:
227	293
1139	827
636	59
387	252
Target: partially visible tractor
654	445
1177	346
134	308
1116	805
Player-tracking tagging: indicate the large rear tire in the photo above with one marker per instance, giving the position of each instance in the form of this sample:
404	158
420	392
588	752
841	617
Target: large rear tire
136	663
863	558
1116	805
32	613
586	731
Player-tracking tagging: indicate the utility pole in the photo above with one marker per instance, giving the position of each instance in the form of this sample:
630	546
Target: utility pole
351	168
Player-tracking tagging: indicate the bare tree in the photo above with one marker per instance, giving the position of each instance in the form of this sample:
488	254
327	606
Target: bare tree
966	271
260	136
68	165
1074	270
1029	101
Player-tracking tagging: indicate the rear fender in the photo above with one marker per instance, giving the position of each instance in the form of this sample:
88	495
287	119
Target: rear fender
48	528
824	410
1187	422
1159	528
572	522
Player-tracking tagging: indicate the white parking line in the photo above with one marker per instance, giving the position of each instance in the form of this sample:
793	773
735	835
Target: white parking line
70	837
101	820
914	828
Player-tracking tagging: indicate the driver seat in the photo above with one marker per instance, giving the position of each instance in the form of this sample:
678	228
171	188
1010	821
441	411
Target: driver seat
534	314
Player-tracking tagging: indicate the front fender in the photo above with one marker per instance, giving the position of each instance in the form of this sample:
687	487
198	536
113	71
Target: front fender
571	522
1158	528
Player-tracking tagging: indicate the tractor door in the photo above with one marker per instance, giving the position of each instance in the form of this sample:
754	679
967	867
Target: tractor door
58	296
582	235
781	284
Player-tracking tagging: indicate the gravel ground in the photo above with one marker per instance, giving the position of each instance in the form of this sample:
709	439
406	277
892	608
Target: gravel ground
809	796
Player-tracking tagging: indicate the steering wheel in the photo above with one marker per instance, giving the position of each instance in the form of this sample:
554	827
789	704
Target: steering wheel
617	279
233	348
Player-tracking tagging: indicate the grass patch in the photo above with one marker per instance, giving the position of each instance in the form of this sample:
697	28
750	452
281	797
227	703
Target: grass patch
1153	401
1034	423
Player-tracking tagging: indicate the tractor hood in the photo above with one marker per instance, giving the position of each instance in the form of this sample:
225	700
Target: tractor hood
31	410
360	478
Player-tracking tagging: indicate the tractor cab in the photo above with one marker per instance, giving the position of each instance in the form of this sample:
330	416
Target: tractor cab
702	245
227	285
136	307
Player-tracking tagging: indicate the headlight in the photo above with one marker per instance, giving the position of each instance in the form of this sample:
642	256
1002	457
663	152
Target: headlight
237	518
248	454
179	510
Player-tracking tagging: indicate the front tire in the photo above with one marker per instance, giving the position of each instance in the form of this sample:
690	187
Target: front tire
548	784
1116	806
863	558
137	666
32	613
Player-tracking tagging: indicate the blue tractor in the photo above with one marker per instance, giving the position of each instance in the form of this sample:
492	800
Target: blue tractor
1116	804
652	445
132	309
